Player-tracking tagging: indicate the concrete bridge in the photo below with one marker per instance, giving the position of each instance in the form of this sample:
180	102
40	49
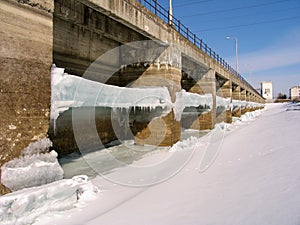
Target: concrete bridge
72	34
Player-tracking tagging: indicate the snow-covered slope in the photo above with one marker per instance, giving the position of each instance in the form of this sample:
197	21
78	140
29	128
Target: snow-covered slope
253	180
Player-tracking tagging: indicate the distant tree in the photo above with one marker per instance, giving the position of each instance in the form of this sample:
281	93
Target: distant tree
281	96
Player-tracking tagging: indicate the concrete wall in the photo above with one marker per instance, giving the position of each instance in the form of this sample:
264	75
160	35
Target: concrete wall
82	34
25	62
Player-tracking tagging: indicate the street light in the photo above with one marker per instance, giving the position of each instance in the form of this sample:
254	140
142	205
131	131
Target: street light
170	12
236	52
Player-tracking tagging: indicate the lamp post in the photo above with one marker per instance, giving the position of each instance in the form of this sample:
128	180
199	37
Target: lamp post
236	53
170	12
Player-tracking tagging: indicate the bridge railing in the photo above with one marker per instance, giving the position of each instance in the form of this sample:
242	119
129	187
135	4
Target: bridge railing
164	14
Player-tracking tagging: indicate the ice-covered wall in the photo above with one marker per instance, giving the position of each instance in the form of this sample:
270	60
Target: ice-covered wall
73	91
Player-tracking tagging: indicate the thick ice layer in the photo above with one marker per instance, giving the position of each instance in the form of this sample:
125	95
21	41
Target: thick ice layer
38	147
31	170
187	99
244	104
223	102
24	206
72	91
239	103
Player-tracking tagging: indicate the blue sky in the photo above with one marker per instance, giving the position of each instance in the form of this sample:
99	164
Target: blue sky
268	33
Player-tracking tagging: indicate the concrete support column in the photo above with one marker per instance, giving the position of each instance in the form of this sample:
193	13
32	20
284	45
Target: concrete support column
206	119
25	62
224	91
243	96
236	95
165	130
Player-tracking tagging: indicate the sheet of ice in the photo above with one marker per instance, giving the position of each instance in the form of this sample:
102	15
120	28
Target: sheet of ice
73	91
36	166
30	171
187	99
250	182
223	102
24	206
238	103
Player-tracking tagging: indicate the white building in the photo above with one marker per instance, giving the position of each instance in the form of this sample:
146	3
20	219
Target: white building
267	90
295	93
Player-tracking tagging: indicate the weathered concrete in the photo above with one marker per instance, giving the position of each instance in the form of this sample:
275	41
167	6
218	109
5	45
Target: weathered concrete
204	83
25	62
236	95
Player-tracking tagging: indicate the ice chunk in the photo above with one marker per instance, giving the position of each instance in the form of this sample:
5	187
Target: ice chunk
24	206
32	169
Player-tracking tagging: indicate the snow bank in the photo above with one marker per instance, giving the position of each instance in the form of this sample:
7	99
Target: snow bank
33	168
293	106
250	116
73	91
185	145
23	207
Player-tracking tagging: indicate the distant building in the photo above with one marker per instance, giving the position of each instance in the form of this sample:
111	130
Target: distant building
267	90
295	93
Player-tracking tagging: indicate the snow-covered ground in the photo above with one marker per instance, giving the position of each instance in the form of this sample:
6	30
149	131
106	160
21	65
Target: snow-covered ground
254	179
245	173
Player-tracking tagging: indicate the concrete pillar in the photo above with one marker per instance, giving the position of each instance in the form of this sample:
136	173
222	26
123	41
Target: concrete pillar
206	119
25	62
224	90
243	96
165	130
236	95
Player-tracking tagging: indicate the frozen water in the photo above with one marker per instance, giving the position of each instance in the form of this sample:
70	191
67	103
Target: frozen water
73	91
31	170
223	102
25	206
187	99
40	146
36	166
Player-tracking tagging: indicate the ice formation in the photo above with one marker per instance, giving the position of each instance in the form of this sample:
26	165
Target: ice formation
35	167
223	102
73	91
24	206
187	99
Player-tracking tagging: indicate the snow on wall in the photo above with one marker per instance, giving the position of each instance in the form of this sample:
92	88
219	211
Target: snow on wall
34	168
73	91
24	206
